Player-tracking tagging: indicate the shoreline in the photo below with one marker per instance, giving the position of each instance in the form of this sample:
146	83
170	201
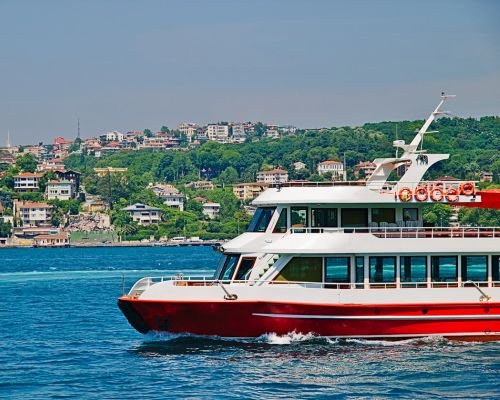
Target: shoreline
208	243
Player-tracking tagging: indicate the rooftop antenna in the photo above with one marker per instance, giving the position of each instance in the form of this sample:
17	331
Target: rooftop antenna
397	148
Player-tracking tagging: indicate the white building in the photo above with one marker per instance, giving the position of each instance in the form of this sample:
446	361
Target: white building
336	168
299	165
218	132
273	177
31	213
113	136
175	201
60	190
163	189
26	182
211	210
190	130
239	133
144	214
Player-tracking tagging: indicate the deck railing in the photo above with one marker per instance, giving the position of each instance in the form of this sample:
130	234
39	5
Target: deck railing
409	232
187	281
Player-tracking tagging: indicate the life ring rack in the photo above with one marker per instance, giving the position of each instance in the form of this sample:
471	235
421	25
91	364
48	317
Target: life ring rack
405	194
421	193
452	195
467	188
436	194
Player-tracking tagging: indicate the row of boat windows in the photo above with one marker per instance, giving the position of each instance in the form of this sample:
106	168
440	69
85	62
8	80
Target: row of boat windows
381	269
327	217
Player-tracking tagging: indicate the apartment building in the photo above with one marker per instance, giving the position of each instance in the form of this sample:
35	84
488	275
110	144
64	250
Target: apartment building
273	177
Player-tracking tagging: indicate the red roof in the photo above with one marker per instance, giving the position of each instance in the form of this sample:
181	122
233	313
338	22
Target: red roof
57	236
330	162
274	171
32	204
28	175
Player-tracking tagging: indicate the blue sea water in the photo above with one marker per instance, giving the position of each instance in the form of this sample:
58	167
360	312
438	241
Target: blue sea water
62	336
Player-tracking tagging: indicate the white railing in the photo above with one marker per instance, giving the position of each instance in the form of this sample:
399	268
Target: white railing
188	281
409	232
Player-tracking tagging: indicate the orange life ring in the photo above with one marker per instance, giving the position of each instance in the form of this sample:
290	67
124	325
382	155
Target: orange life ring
405	194
452	195
436	194
421	193
467	188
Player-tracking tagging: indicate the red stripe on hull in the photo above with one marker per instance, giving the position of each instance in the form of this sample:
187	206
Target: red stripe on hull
238	319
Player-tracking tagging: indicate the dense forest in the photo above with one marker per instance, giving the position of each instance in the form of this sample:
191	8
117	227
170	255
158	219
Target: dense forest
473	144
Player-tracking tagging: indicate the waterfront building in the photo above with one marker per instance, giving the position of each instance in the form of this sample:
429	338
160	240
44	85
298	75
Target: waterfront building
211	210
218	133
32	213
273	177
249	191
26	182
364	169
144	214
56	240
109	170
336	168
60	190
201	185
175	200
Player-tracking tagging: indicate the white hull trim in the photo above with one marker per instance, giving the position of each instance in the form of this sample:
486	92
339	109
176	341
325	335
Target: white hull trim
382	317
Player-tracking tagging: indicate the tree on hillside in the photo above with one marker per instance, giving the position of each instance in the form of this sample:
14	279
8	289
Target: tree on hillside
26	163
148	133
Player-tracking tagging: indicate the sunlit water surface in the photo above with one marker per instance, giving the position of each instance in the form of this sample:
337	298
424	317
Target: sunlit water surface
62	336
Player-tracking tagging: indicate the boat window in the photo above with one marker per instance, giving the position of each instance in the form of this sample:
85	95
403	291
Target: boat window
245	268
495	268
299	217
414	269
281	225
229	267
360	272
337	269
382	269
410	214
302	269
384	215
475	268
444	268
324	217
261	219
354	217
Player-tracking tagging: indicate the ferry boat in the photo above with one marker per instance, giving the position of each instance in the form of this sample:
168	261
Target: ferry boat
343	260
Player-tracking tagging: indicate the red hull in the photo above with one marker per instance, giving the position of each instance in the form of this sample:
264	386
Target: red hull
252	319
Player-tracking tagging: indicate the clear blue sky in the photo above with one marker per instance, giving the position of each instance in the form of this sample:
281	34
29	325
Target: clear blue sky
142	64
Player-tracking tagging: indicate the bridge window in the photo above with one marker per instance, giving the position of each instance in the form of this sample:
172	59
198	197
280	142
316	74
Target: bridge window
384	215
245	268
229	266
410	214
299	217
281	225
444	268
337	269
261	219
302	269
354	217
413	269
475	268
324	217
382	269
495	268
360	272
